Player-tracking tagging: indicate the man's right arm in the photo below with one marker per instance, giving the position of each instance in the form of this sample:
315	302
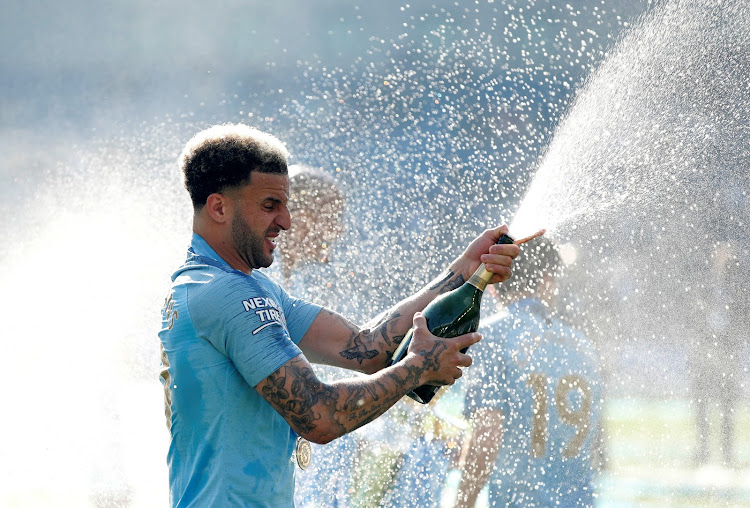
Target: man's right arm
333	340
321	412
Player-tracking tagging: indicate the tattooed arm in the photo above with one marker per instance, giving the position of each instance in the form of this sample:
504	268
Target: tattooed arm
333	340
321	412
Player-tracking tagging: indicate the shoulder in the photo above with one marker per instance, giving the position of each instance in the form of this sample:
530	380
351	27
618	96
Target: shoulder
213	290
267	283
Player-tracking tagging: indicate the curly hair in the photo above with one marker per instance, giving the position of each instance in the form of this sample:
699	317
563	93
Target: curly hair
224	156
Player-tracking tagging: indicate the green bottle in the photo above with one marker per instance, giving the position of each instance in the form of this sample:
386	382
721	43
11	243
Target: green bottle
449	315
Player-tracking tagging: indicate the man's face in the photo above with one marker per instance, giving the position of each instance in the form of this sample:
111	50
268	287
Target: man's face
260	214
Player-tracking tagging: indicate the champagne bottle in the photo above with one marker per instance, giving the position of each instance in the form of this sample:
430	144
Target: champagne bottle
449	315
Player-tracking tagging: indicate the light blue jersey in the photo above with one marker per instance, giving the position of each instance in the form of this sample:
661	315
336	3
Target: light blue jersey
222	333
544	378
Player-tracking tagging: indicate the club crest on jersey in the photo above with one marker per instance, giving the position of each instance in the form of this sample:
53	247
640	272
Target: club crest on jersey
266	309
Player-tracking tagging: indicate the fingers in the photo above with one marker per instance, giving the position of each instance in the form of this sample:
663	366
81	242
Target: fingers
442	357
466	340
505	252
420	323
499	260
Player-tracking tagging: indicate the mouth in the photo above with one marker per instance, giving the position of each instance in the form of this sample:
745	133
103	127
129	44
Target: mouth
271	239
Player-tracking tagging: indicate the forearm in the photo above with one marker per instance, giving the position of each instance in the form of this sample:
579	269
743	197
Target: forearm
333	340
385	332
322	412
478	456
475	472
388	329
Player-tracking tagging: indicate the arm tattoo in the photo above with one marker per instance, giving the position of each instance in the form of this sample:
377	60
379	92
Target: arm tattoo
365	344
305	402
446	284
296	403
455	283
359	351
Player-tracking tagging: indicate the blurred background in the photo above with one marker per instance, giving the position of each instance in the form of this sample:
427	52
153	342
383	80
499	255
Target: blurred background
619	125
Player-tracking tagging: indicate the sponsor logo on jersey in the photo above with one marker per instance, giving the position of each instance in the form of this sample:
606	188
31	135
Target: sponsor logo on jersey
267	310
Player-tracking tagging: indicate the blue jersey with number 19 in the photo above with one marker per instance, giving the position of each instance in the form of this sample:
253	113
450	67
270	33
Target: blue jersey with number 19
223	332
543	376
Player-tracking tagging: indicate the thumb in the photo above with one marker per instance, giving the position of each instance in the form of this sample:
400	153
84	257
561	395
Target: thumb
467	339
419	320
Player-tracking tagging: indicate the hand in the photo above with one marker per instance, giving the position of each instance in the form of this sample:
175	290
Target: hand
497	258
441	359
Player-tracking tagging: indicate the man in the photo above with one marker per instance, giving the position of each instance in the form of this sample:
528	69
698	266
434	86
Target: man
316	202
717	353
239	388
533	398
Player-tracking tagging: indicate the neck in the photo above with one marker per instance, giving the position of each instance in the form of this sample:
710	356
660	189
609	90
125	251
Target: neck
217	239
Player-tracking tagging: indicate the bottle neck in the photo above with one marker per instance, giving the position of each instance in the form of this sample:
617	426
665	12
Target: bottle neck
481	278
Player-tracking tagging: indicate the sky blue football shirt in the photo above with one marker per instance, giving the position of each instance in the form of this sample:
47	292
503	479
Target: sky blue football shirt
223	332
544	377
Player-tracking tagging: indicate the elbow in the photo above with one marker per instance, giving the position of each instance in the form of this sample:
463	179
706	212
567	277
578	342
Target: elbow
321	436
321	439
371	368
323	432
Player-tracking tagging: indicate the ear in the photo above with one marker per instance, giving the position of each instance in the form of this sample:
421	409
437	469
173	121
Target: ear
219	207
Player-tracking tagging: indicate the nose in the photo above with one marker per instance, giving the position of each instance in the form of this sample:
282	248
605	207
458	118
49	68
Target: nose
284	219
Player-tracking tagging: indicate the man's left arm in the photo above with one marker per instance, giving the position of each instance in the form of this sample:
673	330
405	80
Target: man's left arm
334	340
478	454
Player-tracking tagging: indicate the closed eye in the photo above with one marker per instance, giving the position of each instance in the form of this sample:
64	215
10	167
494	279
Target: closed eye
271	204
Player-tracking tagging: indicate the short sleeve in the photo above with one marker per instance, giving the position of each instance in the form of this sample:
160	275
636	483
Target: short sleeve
244	321
299	313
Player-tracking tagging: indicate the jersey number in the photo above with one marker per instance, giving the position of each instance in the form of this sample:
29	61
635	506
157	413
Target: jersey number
579	418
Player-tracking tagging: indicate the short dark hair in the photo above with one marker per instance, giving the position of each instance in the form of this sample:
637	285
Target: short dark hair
224	156
538	258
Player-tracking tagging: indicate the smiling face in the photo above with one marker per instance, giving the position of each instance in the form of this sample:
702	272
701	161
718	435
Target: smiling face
260	214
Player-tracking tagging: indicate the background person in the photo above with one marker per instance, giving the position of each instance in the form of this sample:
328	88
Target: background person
316	204
236	348
717	354
533	398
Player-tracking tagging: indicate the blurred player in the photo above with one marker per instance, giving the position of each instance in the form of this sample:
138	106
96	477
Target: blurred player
533	397
316	203
716	360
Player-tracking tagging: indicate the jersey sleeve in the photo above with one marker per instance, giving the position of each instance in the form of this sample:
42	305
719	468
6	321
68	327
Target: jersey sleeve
299	313
245	322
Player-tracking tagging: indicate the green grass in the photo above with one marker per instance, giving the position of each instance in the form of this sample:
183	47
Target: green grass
650	446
